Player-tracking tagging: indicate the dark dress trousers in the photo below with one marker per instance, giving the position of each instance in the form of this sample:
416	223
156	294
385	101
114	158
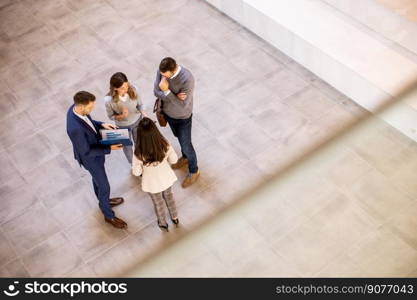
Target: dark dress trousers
91	155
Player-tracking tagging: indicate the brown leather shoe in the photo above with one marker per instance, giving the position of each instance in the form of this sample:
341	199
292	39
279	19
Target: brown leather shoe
190	179
116	222
182	162
116	201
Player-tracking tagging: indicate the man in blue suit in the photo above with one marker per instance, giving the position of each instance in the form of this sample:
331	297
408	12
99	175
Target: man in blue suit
85	136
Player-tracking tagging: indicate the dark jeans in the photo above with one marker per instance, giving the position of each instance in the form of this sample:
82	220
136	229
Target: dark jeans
181	128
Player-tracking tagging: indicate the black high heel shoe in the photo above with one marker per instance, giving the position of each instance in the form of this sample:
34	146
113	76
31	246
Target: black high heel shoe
176	222
163	227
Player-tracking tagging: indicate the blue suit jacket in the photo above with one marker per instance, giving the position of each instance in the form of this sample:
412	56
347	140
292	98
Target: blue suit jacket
86	143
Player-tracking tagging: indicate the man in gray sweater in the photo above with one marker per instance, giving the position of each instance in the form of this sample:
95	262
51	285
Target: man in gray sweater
174	85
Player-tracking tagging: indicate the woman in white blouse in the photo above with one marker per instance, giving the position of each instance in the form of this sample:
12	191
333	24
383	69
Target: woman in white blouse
153	158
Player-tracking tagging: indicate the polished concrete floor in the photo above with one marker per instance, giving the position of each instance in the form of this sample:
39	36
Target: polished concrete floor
346	210
256	111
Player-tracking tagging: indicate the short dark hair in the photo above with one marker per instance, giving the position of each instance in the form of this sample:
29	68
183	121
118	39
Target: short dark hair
167	64
83	98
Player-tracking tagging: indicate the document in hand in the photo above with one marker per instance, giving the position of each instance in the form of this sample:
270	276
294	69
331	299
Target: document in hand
115	136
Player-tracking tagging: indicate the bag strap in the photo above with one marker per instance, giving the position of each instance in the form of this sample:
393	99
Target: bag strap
157	106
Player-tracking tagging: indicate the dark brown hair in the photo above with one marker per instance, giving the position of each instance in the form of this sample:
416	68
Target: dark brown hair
117	81
167	64
151	146
83	97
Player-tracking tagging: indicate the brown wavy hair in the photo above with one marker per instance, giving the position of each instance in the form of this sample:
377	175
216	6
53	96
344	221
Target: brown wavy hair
117	81
151	146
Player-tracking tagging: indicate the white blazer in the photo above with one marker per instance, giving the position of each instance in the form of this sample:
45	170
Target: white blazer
156	177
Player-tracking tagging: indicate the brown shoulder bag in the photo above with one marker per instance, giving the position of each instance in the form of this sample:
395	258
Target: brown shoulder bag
157	109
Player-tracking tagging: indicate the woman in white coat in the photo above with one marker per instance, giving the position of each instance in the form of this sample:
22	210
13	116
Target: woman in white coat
153	158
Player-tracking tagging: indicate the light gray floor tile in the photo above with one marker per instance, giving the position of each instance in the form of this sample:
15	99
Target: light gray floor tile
56	134
382	254
10	54
12	185
31	153
14	269
232	45
73	204
309	259
151	239
64	176
35	39
403	224
62	257
50	9
17	20
117	259
280	123
212	118
83	271
138	210
21	71
137	13
30	228
384	153
403	180
34	88
8	169
9	104
351	167
274	219
91	237
6	251
310	102
63	20
64	74
217	29
192	212
15	133
252	97
341	266
285	83
246	138
379	197
15	203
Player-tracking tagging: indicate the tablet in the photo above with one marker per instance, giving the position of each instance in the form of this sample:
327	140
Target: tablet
115	136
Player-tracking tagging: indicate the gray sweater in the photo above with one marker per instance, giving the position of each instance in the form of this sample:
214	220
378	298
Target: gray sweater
133	106
171	104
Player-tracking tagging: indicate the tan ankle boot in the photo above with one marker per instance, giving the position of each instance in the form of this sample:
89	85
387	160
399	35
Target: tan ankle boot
190	179
182	162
